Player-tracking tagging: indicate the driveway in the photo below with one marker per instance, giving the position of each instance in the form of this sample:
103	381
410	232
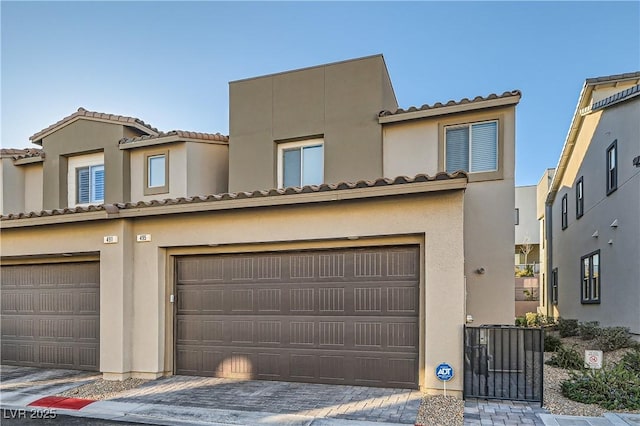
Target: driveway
304	399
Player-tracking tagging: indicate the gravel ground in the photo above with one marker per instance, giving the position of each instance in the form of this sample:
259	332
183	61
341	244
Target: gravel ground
440	410
104	389
557	403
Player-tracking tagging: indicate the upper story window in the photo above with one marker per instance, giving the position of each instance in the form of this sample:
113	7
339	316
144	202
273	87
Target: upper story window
590	269
472	147
554	286
612	167
579	197
517	216
90	184
156	173
301	163
85	179
565	209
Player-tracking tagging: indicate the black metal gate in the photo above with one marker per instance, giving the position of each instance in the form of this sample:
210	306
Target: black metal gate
503	362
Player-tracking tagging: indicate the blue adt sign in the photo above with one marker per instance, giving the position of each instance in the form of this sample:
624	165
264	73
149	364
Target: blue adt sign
444	372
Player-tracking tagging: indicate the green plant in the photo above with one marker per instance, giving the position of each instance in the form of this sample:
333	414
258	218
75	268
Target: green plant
612	338
613	389
567	358
631	361
567	327
551	342
524	272
529	295
589	330
521	322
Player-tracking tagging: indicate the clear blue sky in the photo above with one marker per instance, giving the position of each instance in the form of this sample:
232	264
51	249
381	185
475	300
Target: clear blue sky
169	63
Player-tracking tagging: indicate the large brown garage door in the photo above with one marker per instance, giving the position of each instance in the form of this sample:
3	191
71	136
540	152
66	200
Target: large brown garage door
51	315
347	316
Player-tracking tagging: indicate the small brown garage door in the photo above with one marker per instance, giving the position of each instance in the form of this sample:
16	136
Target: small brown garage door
347	316
51	315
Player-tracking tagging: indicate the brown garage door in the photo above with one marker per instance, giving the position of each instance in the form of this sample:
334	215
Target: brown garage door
347	316
51	315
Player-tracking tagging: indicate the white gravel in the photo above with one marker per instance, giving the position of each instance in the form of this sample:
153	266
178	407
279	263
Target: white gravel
103	389
438	410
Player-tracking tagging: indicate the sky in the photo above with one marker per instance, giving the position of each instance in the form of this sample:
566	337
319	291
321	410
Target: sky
169	63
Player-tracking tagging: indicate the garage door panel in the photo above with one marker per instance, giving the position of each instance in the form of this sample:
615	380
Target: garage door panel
50	315
327	316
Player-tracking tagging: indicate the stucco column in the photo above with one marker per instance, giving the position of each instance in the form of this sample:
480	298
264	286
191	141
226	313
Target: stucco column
116	302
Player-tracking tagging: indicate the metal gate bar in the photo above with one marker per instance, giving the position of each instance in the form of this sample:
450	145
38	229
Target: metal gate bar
503	362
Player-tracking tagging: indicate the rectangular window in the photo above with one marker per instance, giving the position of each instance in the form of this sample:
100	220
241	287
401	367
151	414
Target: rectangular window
579	197
517	216
301	163
590	272
565	209
612	167
472	147
156	173
554	286
90	184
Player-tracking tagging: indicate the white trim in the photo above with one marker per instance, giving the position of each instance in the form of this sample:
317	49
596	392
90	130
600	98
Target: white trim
164	170
77	162
297	144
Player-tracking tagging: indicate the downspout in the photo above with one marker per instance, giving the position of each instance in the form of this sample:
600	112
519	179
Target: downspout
549	253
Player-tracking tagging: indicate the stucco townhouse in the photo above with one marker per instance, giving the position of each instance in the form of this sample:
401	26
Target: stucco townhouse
589	209
330	238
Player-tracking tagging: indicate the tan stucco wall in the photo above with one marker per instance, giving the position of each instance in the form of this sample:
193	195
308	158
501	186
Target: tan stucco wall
33	187
134	308
177	171
12	187
489	232
338	102
82	137
620	292
207	169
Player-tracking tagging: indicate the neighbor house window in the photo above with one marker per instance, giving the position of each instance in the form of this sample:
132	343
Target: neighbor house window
590	272
90	184
156	173
472	147
579	197
301	163
612	167
565	216
517	217
554	286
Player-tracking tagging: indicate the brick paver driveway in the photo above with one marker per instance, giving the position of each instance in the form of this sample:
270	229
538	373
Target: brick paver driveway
328	401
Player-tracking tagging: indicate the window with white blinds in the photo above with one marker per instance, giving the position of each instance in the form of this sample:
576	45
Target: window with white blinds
472	147
90	184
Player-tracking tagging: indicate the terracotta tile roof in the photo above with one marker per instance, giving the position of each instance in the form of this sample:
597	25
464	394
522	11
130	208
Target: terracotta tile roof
613	99
614	77
180	134
342	186
19	153
131	121
464	101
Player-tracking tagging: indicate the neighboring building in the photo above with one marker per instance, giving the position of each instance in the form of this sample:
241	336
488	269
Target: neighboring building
542	189
592	212
313	262
527	251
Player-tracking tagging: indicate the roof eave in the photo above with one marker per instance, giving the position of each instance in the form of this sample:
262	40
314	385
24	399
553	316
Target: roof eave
452	109
38	137
167	140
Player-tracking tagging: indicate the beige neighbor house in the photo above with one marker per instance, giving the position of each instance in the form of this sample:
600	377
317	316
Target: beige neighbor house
313	262
527	251
592	209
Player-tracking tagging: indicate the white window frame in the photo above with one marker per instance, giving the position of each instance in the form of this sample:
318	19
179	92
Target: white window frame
298	144
159	189
470	127
79	162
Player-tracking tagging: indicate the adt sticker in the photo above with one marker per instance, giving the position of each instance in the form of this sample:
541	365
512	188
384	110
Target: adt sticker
444	372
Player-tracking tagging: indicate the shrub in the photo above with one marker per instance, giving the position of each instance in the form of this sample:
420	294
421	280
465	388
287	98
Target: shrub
567	327
567	358
631	361
612	338
589	330
521	322
613	389
551	342
533	319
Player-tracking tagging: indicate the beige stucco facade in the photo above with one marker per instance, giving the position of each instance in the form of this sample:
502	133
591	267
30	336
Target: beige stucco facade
417	146
136	318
